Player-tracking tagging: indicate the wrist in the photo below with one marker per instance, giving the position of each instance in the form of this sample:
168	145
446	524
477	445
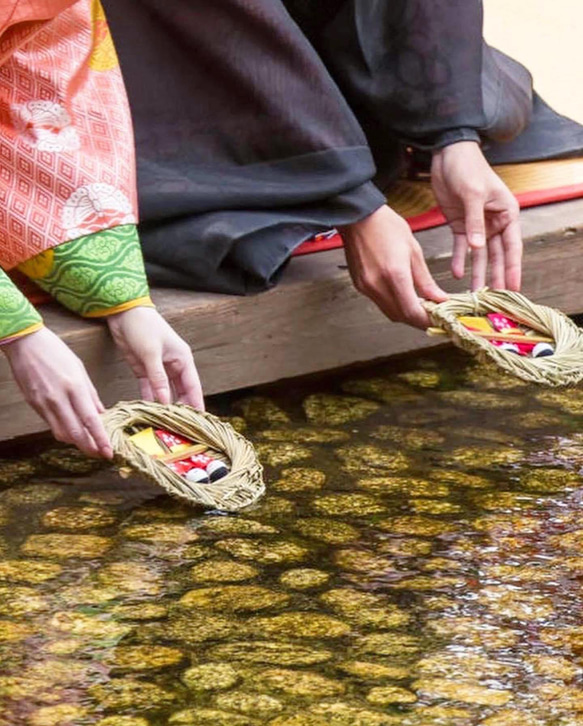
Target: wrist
15	343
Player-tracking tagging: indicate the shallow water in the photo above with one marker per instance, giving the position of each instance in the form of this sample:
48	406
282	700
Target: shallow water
417	561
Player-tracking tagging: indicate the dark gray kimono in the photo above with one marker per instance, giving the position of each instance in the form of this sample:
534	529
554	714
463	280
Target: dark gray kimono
260	122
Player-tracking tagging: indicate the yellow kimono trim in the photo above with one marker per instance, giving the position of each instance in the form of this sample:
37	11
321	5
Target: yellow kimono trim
17	316
141	302
95	274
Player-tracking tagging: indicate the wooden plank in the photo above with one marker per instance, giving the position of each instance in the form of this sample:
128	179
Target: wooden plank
313	321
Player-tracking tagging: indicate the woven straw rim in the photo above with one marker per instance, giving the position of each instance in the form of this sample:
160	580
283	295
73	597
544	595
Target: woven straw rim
564	368
242	486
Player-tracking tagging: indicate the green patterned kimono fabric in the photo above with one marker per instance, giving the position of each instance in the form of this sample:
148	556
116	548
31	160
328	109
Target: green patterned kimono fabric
16	312
93	274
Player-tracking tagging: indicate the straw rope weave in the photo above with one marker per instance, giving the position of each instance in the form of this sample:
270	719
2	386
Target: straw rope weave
564	368
242	486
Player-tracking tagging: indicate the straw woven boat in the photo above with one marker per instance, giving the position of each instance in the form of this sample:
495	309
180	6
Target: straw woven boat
242	486
564	368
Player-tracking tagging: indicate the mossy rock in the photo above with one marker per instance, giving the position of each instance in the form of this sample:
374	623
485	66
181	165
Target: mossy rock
11	632
13	472
71	461
299	625
208	717
480	400
297	684
325	409
213	571
409	486
17	600
282	454
300	479
264	553
137	658
123	694
194	628
441	688
63	714
330	531
414	439
421	378
382	390
369	671
257	705
341	504
261	411
235	525
550	481
482	457
462	480
517	604
67	546
211	677
471	632
123	721
31	494
364	459
233	598
417	526
33	572
306	435
363	561
81	624
365	609
395	645
462	665
304	578
405	547
76	519
339	713
269	653
160	533
390	695
143	611
514	717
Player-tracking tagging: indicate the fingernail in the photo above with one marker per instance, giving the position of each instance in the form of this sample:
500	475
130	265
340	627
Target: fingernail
477	240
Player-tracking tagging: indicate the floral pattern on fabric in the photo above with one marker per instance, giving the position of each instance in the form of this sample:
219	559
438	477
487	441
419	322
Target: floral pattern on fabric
16	312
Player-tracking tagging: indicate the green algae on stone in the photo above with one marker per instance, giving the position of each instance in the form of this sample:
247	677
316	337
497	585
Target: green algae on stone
282	454
11	632
360	560
299	719
460	479
553	667
13	472
364	459
570	401
222	571
143	611
299	625
235	525
135	658
67	546
264	553
31	571
64	647
432	506
389	644
389	695
78	518
300	479
417	525
123	721
306	435
412	486
405	547
474	632
329	531
208	717
88	595
480	400
71	460
421	378
265	652
382	390
549	481
514	717
130	577
197	552
368	671
466	692
81	624
462	665
233	598
258	705
325	409
160	532
273	507
519	604
31	494
340	713
357	505
210	677
482	457
304	578
298	684
364	608
259	411
121	694
439	716
408	438
429	582
63	714
16	601
60	672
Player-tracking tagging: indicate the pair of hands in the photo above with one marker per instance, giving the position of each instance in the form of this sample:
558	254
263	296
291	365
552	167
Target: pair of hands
386	261
55	383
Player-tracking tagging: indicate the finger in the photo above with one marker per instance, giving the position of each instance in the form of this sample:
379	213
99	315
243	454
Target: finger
157	378
475	222
188	386
423	280
100	408
146	392
86	412
479	267
460	252
513	247
410	308
496	263
74	429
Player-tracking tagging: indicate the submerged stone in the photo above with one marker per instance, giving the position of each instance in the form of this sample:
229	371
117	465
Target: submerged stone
269	653
11	632
222	571
121	694
31	494
325	409
235	525
67	546
482	457
389	644
131	577
299	684
306	435
19	600
364	459
234	598
64	714
329	531
462	665
518	604
513	717
260	411
363	561
257	705
299	625
208	717
412	486
408	438
465	692
143	611
365	609
30	571
570	401
338	713
210	677
71	460
550	481
405	547
123	721
282	454
367	671
460	479
162	532
474	632
388	695
12	472
417	525
78	623
304	578
129	658
431	506
554	667
382	389
194	628
497	500
356	505
480	400
78	518
300	479
273	507
264	553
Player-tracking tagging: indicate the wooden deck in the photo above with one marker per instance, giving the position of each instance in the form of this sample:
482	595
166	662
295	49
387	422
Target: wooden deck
313	321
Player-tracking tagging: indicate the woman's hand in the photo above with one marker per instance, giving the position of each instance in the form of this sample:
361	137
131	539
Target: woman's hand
55	383
387	265
161	361
483	214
